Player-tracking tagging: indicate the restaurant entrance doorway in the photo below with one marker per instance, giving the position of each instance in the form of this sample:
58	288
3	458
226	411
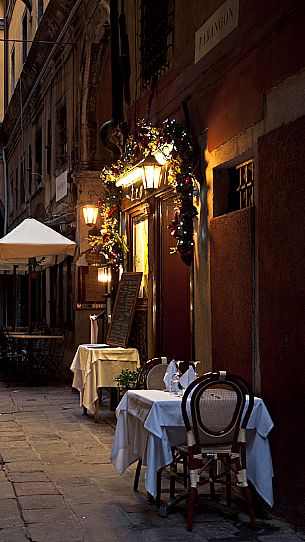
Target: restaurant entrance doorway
174	291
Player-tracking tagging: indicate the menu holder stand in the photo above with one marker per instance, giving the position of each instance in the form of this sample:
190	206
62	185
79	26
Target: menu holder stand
124	308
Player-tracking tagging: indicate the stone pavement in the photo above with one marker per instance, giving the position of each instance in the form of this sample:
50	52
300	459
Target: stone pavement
57	483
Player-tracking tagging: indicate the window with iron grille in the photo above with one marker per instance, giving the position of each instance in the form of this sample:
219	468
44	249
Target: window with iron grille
233	188
22	180
157	34
242	184
61	135
38	159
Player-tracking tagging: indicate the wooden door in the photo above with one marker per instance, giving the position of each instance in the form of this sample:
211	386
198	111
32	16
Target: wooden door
174	292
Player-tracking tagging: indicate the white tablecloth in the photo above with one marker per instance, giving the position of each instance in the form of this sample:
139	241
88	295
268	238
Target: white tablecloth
95	366
149	423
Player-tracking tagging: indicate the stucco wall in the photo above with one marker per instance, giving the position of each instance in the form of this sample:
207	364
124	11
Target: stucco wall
281	233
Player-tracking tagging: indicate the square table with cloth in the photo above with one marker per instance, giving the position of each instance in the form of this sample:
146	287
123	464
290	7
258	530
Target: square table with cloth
150	423
96	366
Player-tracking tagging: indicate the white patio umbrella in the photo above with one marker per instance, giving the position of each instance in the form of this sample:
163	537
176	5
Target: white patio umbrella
33	239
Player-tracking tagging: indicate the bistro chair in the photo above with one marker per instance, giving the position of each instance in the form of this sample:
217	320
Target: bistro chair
48	353
151	374
215	415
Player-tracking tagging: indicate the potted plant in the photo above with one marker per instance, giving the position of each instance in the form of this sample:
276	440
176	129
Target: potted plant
126	380
34	270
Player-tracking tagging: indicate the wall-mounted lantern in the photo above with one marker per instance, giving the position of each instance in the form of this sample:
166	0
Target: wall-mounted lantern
148	169
90	213
151	172
104	275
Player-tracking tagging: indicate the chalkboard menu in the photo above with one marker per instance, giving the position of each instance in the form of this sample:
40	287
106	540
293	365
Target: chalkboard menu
123	311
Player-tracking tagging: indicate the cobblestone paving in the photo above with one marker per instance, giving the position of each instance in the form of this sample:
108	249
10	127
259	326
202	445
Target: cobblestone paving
57	483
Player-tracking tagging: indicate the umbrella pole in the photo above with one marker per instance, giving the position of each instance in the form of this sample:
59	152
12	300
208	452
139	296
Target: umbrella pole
30	304
14	295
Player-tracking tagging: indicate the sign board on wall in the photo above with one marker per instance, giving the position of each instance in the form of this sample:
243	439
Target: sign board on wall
216	28
61	185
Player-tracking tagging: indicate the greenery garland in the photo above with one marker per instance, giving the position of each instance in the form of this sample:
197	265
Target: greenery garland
148	139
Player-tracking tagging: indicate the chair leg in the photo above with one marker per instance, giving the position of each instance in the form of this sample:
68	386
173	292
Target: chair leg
185	478
212	485
191	507
248	496
172	482
159	481
137	475
228	487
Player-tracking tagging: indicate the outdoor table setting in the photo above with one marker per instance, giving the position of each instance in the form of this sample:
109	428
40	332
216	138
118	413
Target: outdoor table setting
150	423
96	366
39	351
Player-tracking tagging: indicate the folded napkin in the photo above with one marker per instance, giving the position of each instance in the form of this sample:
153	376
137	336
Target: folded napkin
188	377
171	370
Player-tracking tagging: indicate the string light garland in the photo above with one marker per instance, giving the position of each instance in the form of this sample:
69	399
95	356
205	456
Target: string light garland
147	140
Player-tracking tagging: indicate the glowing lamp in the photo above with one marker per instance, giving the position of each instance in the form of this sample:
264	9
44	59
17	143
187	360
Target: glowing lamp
90	214
130	177
104	275
151	172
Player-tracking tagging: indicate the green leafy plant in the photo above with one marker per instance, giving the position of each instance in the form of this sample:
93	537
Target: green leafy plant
33	263
127	379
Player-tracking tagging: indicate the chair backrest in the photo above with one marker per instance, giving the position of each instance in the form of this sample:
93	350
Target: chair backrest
217	403
152	373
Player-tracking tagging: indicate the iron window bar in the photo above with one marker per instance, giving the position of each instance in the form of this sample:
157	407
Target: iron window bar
246	184
157	24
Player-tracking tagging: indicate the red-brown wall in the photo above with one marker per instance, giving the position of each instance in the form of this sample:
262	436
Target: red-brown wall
231	292
225	90
281	234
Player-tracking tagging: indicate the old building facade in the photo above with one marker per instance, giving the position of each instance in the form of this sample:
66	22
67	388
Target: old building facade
56	57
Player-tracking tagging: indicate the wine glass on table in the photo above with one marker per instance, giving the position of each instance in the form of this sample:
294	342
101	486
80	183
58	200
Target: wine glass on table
174	383
195	363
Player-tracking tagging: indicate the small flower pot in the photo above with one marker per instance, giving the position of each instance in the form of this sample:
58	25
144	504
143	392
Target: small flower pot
34	275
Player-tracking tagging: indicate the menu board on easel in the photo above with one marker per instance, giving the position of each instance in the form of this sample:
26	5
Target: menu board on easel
124	308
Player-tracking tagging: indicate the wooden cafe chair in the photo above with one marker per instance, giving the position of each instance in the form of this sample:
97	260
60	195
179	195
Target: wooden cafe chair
212	409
